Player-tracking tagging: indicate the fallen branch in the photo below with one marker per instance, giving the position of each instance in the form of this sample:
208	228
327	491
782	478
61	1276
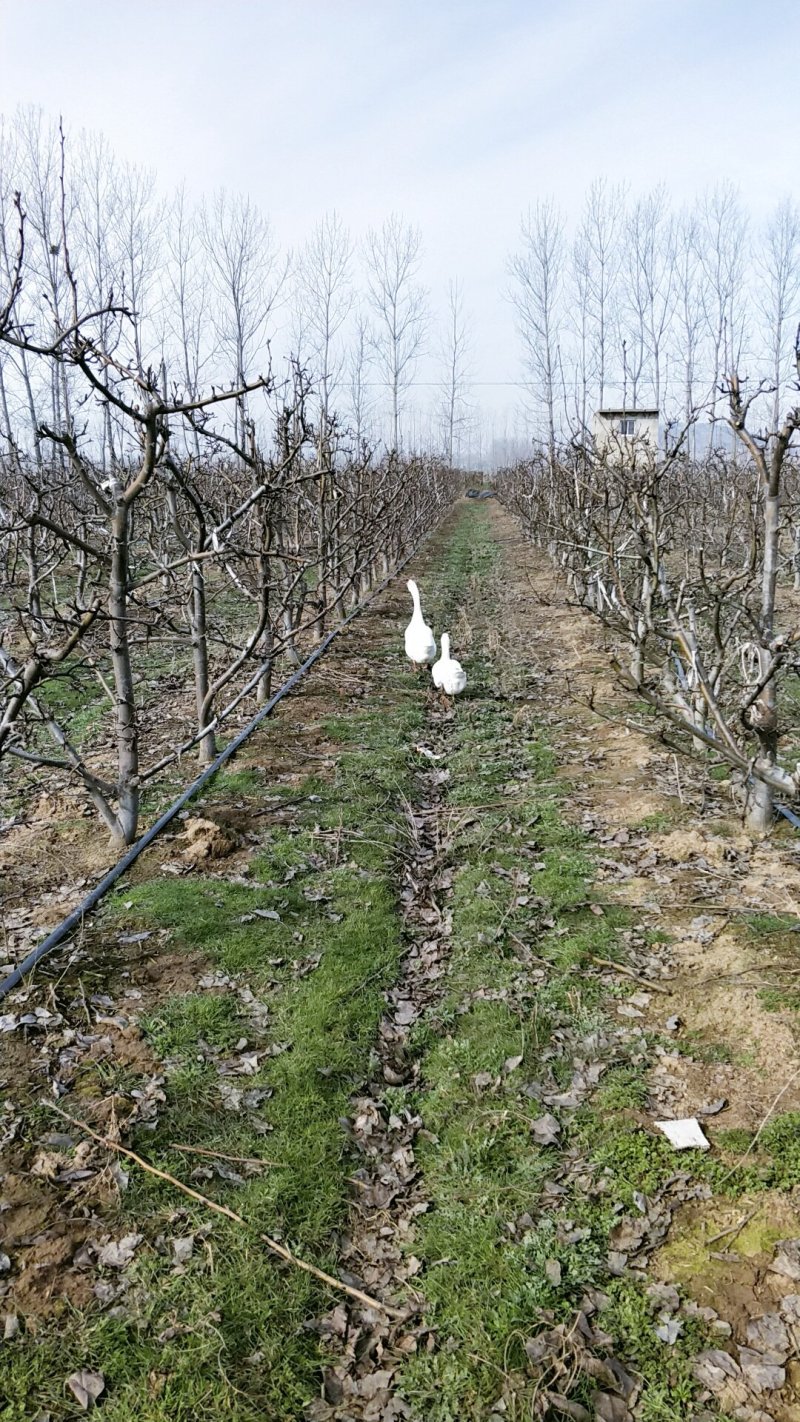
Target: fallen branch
734	1229
629	973
272	1244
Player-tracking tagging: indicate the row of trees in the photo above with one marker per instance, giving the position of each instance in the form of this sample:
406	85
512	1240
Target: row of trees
210	292
644	305
690	566
170	513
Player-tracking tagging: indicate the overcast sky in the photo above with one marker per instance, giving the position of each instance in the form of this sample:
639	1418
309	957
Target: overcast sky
457	113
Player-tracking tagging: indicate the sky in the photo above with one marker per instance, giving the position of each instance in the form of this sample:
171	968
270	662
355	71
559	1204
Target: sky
455	113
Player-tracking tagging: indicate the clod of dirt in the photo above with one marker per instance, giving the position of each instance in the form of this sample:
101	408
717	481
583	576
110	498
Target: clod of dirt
205	840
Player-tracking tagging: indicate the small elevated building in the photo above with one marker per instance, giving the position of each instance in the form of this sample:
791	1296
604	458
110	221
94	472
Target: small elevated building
625	430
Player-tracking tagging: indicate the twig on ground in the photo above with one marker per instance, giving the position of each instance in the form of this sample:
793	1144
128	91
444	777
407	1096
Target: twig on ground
757	1136
742	973
629	973
220	1155
678	779
272	1244
733	1230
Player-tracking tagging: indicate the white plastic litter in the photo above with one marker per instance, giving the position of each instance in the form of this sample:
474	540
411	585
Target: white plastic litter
684	1135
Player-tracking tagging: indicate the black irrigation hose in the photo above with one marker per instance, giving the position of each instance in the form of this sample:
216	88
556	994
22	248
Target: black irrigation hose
65	928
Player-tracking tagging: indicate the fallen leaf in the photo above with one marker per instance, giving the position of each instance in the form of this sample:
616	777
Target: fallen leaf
760	1374
669	1330
787	1258
714	1368
404	1014
552	1271
119	1252
546	1129
183	1248
482	1079
563	1405
608	1407
768	1335
86	1387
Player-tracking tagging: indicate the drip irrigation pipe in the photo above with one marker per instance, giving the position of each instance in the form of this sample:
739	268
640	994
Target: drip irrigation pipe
74	919
788	815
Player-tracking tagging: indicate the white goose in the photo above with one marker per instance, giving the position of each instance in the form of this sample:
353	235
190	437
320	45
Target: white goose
448	675
420	641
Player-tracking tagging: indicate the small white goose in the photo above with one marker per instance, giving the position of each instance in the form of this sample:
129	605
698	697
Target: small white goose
448	675
420	641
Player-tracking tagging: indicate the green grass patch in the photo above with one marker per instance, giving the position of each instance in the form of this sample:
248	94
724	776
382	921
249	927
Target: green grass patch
494	1240
226	1337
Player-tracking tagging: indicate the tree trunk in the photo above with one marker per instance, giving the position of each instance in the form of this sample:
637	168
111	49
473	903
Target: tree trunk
759	806
264	687
759	803
125	706
208	745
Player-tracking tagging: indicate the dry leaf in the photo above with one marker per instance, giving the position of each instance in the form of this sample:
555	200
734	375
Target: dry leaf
86	1387
552	1270
546	1129
119	1252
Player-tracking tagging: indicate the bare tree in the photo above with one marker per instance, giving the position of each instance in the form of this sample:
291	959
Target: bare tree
186	287
537	277
778	293
723	252
456	361
399	303
326	296
361	349
688	308
768	651
97	179
579	321
599	258
654	230
138	218
247	275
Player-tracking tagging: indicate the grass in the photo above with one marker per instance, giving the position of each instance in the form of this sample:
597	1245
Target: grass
490	1240
225	1337
657	823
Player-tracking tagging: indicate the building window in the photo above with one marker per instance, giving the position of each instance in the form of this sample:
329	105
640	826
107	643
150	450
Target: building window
627	427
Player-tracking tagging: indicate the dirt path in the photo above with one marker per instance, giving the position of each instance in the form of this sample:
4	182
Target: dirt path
713	945
376	1245
409	990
